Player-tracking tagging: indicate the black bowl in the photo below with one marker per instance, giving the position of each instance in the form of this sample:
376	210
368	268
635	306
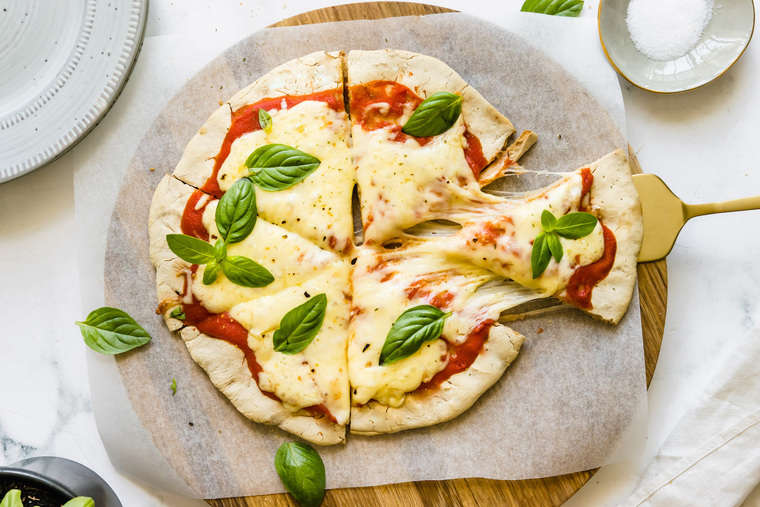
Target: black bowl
36	489
61	478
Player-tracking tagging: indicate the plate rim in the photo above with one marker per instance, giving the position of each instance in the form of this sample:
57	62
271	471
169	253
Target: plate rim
62	143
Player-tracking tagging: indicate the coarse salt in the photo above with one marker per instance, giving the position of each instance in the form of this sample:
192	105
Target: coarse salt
667	29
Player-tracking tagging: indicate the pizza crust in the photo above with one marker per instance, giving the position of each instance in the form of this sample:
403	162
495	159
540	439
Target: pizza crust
227	369
453	397
165	215
318	71
614	196
426	75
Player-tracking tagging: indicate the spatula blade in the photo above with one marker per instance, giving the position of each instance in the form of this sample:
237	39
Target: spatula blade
663	216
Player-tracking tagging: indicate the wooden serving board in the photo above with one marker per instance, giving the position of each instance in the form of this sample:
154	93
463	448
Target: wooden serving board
549	491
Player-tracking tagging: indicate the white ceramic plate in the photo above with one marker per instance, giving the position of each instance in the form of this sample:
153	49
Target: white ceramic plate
62	64
723	41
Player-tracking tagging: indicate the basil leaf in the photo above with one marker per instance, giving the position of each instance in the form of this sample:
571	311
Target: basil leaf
435	115
302	472
570	8
243	271
555	245
540	255
211	272
575	225
12	499
173	386
236	211
548	220
300	325
220	250
190	249
112	331
265	121
80	501
178	313
279	166
414	327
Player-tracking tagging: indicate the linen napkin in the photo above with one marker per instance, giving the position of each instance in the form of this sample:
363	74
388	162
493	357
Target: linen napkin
712	456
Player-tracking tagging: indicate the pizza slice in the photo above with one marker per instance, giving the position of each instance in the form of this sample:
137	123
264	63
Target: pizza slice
596	272
226	332
445	376
300	105
304	393
404	179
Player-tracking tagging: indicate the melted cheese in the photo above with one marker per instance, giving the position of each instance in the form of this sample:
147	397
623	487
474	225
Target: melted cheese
289	257
499	237
318	208
388	282
318	374
402	183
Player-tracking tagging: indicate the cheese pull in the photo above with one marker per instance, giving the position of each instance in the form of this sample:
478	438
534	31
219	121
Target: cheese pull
500	236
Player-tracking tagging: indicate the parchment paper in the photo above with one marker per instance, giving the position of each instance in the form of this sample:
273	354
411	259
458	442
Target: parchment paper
563	406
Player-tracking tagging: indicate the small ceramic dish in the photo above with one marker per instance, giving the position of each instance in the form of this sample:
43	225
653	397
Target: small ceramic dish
723	41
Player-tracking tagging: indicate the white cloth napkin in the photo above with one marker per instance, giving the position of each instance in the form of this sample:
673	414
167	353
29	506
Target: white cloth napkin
712	457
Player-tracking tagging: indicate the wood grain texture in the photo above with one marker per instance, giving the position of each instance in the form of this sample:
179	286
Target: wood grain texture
550	491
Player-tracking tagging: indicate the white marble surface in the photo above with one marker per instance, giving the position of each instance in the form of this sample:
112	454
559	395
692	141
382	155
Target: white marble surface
704	144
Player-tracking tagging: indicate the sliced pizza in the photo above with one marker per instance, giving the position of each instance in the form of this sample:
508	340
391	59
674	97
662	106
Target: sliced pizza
403	179
445	375
595	272
228	328
299	105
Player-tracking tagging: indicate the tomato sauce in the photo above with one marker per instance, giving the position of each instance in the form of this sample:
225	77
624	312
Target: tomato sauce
473	153
583	280
246	119
380	104
461	356
223	327
192	218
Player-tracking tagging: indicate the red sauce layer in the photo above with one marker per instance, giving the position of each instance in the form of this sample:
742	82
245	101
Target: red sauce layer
583	280
246	119
473	153
463	355
380	104
223	327
192	219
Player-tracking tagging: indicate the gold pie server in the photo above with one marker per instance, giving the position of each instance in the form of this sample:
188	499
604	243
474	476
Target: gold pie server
664	214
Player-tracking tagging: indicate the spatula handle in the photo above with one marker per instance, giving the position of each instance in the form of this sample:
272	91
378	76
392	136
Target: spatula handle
746	204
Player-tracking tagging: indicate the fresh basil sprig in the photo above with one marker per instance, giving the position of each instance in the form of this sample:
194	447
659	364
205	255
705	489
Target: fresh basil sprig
302	472
300	325
265	121
279	166
178	313
173	386
112	331
570	8
235	218
547	244
435	115
411	330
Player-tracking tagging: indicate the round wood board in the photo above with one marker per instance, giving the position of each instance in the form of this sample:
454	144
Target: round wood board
552	491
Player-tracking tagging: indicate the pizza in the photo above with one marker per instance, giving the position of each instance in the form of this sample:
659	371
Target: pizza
311	324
